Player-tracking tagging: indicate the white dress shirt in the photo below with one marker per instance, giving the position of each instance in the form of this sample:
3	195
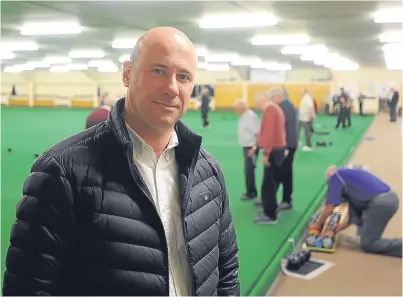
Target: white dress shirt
161	178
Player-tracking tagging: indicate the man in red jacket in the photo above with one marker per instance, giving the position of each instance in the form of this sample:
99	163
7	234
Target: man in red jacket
272	140
100	114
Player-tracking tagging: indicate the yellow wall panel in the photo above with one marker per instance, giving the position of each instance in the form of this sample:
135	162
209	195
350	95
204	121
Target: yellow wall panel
44	102
255	89
18	102
80	103
320	92
225	95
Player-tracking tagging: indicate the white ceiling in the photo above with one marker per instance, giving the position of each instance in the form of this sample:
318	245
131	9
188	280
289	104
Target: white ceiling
346	27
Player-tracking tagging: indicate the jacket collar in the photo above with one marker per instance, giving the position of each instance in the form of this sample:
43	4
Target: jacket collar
189	142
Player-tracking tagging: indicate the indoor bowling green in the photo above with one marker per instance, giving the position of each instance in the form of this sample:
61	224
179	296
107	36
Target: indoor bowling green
29	131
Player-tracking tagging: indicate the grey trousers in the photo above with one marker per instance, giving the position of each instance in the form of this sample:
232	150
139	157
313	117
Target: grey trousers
307	131
374	221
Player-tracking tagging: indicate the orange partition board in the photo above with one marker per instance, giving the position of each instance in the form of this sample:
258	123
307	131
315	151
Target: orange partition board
225	95
18	102
44	103
343	210
318	91
80	103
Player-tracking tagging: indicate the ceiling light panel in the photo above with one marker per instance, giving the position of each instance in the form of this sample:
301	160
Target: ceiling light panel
15	46
313	49
392	36
287	39
100	62
51	28
390	15
57	59
6	55
87	54
230	21
124	43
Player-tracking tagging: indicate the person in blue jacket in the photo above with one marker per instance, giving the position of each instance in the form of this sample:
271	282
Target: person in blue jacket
372	204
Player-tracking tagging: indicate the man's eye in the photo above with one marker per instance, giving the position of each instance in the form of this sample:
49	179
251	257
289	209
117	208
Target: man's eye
184	77
158	71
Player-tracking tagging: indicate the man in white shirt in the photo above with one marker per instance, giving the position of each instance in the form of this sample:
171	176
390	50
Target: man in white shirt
306	118
133	206
248	132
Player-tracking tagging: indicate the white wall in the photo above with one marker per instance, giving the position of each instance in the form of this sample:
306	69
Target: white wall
86	83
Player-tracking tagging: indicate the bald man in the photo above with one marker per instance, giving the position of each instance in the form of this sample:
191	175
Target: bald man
123	208
372	204
248	133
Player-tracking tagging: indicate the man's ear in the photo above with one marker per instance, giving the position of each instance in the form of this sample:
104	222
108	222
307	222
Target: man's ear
126	73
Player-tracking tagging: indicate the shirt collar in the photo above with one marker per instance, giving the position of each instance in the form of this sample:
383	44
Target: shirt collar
140	146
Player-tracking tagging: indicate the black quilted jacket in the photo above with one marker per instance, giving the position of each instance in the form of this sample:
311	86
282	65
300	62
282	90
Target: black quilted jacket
86	224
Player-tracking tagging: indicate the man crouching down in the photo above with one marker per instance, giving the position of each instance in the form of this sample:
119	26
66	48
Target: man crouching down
372	204
133	206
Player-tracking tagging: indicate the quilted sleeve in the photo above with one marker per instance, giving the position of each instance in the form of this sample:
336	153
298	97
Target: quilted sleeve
42	235
228	261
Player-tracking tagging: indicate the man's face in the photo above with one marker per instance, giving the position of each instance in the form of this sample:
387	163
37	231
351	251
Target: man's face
239	109
160	84
277	99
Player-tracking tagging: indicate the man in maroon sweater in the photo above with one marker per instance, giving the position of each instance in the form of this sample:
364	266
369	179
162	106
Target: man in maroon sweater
272	140
100	114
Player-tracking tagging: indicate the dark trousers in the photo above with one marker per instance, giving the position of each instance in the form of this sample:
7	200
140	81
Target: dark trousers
392	112
341	119
250	165
204	114
286	177
361	109
271	180
349	117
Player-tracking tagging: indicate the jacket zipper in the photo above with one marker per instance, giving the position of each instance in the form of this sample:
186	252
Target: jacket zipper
188	185
146	193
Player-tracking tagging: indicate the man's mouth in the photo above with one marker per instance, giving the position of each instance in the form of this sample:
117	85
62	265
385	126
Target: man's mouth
166	105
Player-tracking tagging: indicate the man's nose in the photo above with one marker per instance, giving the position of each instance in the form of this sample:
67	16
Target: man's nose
172	87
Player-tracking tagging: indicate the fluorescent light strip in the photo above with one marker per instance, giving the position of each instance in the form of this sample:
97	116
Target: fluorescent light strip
108	69
124	43
57	59
229	21
18	46
391	15
100	63
393	48
392	36
289	39
51	28
87	54
6	56
313	49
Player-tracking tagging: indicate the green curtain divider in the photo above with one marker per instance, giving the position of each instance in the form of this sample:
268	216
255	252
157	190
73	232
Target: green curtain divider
272	270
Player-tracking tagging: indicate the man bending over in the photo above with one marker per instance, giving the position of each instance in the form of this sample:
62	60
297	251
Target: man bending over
372	204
